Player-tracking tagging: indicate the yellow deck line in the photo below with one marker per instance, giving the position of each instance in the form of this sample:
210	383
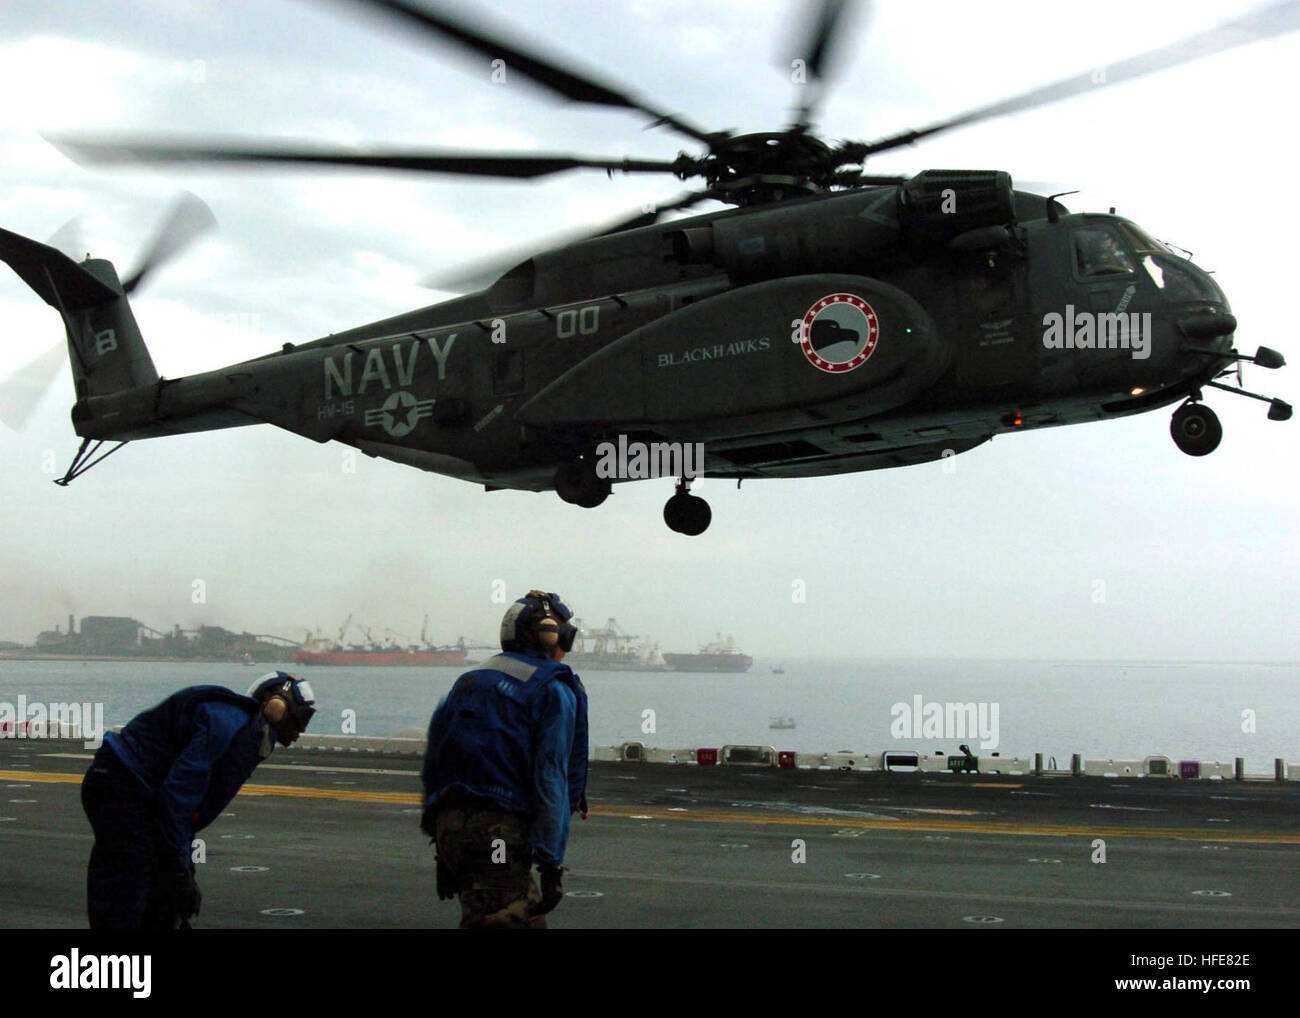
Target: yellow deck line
773	819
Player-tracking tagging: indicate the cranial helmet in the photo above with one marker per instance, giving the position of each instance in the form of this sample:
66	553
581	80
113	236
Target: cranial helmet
538	623
288	703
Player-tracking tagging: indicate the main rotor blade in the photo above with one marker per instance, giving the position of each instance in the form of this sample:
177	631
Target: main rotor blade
549	72
1261	24
21	391
189	218
485	271
69	239
824	25
520	165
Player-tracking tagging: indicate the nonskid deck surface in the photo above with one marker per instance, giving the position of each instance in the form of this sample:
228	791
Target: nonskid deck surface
331	840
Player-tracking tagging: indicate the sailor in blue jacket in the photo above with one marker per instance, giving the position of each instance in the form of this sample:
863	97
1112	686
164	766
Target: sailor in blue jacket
505	767
169	773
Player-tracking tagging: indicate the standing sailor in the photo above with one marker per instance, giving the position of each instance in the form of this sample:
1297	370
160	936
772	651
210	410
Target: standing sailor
505	766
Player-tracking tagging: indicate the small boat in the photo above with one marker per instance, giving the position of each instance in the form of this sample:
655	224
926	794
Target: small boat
780	722
778	670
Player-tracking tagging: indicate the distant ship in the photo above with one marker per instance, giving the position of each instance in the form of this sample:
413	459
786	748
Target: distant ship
719	656
780	722
387	657
609	649
316	651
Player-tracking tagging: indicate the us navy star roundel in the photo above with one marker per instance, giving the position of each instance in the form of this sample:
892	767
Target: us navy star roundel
839	333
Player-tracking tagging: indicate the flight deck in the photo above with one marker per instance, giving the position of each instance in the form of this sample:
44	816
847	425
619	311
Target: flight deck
324	839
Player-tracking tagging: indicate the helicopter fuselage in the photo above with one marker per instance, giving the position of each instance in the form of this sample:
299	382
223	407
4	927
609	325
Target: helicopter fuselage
842	332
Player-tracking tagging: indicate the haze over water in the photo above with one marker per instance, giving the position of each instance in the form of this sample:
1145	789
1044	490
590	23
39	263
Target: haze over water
1119	710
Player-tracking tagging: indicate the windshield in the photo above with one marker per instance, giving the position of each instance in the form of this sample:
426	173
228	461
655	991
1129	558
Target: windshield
1181	280
1142	242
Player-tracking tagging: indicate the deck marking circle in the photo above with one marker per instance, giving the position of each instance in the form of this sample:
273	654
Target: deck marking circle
19	786
732	844
936	837
677	809
238	837
1213	894
1055	862
24	801
249	869
227	814
682	790
1215	848
984	920
1217	820
282	911
863	876
640	816
584	894
5	820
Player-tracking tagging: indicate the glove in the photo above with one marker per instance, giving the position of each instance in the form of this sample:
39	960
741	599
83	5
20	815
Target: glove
183	894
552	889
448	883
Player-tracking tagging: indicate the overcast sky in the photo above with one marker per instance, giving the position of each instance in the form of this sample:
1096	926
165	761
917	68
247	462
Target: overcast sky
1003	556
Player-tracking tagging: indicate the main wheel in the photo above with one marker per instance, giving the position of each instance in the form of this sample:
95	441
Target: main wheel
687	514
1196	429
578	484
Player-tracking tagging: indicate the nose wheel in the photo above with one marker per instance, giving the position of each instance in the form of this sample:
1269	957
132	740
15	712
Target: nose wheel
686	513
1196	429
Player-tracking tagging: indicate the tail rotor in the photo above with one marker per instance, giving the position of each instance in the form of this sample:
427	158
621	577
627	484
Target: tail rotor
20	393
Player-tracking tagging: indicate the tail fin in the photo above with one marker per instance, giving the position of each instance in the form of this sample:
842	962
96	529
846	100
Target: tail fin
104	343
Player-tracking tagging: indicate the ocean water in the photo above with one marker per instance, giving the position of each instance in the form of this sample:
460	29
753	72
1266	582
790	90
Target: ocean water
1102	710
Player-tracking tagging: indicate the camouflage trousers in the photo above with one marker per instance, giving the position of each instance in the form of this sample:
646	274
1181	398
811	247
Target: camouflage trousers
488	852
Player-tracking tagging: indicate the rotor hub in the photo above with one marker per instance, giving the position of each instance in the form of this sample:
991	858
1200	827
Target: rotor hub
751	169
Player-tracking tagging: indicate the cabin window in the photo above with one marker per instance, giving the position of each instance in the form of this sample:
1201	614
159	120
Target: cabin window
1098	252
508	372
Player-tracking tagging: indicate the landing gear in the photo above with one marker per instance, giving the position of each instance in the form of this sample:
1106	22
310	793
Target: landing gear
1196	429
686	513
578	484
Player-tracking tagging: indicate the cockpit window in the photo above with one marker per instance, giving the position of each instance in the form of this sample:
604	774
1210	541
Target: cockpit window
1181	280
1098	252
1143	242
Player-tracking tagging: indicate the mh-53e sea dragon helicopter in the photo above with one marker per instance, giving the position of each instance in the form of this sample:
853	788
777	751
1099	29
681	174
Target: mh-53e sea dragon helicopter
832	322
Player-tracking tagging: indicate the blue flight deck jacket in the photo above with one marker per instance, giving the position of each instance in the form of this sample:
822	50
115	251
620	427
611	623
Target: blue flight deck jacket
192	753
513	733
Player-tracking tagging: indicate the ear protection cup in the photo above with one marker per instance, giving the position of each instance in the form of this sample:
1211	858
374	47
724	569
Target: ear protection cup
547	633
275	709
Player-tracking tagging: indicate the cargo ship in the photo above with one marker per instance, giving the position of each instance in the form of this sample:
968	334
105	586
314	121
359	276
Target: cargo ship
316	651
386	657
719	656
609	649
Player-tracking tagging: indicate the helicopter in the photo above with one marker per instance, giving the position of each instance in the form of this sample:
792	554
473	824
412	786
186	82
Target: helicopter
832	321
